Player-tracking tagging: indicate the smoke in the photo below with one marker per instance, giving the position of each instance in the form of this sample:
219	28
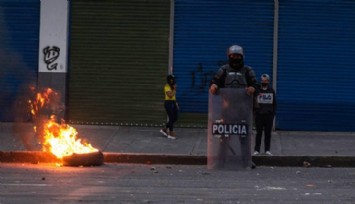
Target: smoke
32	109
23	127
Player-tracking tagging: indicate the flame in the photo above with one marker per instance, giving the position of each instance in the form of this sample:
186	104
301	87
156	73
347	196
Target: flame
42	99
59	139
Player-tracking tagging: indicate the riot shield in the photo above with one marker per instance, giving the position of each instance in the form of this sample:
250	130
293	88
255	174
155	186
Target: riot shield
230	120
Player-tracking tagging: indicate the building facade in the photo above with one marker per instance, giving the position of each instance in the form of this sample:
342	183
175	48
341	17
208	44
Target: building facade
119	53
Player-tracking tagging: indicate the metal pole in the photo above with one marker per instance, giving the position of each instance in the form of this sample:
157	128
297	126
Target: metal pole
275	49
275	44
171	36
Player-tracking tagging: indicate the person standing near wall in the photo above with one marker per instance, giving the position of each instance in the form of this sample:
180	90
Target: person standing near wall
171	107
264	114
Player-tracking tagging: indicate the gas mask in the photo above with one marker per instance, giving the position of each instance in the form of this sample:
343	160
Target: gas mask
236	63
235	55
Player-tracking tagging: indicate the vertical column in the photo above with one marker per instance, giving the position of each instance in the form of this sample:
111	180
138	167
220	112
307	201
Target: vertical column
171	36
53	46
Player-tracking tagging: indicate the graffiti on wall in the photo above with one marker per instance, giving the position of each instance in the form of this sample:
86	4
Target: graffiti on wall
51	54
200	77
194	98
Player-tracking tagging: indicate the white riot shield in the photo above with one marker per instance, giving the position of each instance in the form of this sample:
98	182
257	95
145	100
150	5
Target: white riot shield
230	120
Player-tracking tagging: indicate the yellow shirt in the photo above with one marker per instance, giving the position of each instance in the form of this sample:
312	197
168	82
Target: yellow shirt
166	90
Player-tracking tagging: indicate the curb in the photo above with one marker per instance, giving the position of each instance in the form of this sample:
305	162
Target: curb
33	157
305	161
36	157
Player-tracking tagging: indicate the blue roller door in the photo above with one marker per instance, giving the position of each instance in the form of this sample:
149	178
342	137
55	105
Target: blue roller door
316	65
19	37
203	31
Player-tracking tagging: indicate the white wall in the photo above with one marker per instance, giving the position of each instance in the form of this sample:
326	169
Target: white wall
53	45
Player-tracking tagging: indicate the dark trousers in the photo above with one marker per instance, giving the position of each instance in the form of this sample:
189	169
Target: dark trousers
263	123
172	111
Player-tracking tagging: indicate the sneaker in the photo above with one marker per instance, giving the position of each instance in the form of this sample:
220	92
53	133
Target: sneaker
164	131
268	153
256	153
172	135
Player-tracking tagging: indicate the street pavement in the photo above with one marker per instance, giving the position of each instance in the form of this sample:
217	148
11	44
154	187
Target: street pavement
138	183
289	148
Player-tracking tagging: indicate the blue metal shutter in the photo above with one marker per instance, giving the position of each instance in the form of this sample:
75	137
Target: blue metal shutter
203	31
19	37
316	65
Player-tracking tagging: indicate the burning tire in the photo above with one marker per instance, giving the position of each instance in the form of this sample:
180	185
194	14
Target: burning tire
88	159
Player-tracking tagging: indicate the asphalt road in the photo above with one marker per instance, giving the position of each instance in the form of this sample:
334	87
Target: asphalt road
132	183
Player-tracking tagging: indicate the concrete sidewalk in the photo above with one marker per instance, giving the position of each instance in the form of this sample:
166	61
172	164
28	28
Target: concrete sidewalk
289	148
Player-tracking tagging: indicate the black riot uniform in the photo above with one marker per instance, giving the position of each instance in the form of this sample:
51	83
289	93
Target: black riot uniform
235	74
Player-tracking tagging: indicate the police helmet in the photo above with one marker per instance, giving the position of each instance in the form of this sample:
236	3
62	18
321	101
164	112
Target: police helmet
235	49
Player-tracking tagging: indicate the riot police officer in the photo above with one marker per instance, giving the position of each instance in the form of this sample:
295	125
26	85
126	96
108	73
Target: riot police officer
235	74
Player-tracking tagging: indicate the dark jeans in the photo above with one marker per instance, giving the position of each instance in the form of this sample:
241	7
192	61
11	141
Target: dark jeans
172	111
263	123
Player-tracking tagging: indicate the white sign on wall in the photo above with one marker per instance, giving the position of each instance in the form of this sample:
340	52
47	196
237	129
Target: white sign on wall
53	41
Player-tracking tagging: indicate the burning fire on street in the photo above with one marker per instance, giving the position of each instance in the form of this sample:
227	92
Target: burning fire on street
60	139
